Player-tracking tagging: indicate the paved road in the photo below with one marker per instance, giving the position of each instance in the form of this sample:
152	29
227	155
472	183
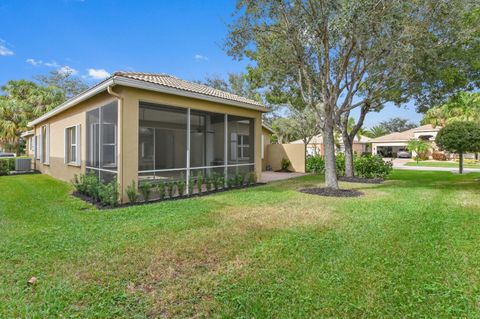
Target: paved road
399	163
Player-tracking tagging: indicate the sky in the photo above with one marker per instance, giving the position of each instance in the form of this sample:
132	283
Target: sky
94	38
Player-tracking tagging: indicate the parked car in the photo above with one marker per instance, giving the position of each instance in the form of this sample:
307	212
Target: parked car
7	154
404	154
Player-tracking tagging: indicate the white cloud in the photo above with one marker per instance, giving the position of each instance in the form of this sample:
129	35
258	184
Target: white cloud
200	57
4	51
34	62
67	70
52	64
98	74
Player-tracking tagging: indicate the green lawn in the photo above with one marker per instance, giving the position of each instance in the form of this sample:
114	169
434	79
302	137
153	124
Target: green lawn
409	248
441	164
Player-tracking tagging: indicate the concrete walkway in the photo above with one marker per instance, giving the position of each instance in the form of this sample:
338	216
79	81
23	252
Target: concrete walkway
269	176
399	163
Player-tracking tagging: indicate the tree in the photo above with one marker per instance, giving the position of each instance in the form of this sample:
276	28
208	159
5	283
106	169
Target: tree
459	137
65	81
339	55
376	131
397	124
461	107
418	146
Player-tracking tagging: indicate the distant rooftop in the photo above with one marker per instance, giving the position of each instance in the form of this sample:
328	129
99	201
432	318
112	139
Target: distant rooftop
405	135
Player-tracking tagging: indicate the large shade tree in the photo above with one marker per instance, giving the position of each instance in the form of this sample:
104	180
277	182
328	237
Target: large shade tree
459	137
338	55
464	106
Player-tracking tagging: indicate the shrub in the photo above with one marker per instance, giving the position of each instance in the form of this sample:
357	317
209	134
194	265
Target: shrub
340	164
132	192
7	165
191	184
209	183
438	156
231	182
161	190
315	164
181	186
371	166
199	182
146	190
218	181
238	179
92	185
108	193
285	164
171	189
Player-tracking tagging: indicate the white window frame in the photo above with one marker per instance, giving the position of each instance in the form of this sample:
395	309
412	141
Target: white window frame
45	149
71	148
241	146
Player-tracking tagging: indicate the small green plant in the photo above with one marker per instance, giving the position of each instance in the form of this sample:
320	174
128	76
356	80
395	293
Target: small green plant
108	193
252	178
231	182
285	164
6	165
218	181
146	190
209	183
315	164
191	184
161	190
238	179
181	185
92	185
171	189
132	192
199	182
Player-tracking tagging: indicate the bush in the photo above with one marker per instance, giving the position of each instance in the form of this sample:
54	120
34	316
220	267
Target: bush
181	186
209	183
191	184
371	166
161	190
92	185
238	179
315	164
6	165
285	164
439	156
340	164
132	192
218	181
199	182
231	182
171	189
108	193
146	190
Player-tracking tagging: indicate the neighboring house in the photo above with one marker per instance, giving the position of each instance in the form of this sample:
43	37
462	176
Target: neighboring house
315	146
29	138
149	127
267	133
389	145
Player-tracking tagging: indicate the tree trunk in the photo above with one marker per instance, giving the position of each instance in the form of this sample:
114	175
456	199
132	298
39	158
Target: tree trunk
460	164
348	156
329	148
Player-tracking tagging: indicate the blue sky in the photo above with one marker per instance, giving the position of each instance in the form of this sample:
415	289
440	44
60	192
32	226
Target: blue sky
98	37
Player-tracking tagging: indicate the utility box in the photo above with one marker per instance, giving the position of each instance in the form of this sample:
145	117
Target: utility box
23	164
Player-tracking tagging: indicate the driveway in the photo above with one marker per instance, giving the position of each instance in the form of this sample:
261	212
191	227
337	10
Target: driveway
269	176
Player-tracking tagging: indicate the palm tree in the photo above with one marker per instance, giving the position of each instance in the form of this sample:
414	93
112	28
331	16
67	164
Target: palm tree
375	131
462	107
12	123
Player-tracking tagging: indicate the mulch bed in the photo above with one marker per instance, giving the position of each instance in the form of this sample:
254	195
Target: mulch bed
331	192
361	180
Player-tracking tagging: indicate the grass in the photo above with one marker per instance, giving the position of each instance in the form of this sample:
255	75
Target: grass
408	248
442	164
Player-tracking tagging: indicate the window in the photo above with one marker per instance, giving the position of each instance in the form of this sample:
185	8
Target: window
72	145
31	144
45	144
243	147
101	141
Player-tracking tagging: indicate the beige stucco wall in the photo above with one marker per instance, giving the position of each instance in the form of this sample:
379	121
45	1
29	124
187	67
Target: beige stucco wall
128	120
267	136
294	152
71	117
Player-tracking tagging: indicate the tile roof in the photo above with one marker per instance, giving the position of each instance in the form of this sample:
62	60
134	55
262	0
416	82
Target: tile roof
318	139
405	135
170	81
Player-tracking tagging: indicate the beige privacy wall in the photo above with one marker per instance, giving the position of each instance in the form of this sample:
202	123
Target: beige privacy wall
294	152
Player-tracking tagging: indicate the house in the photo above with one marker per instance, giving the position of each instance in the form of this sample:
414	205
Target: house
315	146
389	145
149	127
29	137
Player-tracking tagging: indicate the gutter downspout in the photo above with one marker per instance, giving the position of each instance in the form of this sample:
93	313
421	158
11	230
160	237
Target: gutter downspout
120	133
